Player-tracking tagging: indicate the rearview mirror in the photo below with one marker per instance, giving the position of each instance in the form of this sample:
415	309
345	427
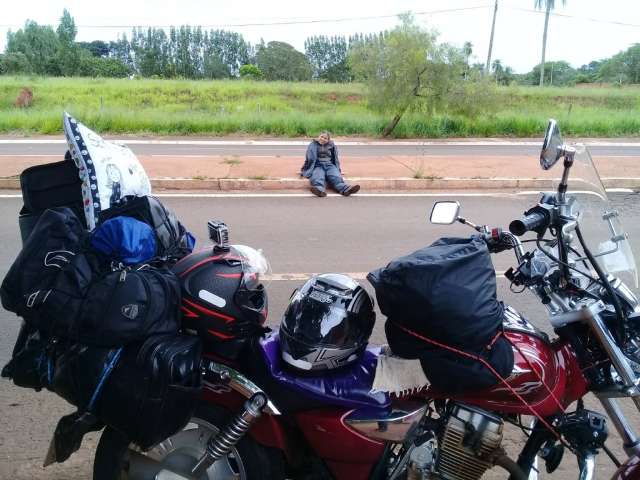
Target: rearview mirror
444	213
551	151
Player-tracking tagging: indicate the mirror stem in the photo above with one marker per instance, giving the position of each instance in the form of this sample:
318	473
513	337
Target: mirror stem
568	153
464	221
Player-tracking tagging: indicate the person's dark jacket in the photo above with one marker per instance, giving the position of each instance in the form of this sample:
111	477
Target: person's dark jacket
311	158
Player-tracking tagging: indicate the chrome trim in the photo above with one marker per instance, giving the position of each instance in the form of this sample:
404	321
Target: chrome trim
587	466
629	438
238	382
619	361
533	471
582	312
623	290
392	426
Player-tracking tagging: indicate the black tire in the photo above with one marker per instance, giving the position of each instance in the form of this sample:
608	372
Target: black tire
254	461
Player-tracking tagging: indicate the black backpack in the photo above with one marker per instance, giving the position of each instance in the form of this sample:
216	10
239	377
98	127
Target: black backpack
129	305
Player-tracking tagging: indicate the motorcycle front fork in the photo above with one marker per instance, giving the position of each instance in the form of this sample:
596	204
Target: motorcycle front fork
529	458
630	441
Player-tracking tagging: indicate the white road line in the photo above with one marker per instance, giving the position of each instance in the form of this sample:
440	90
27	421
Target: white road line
30	155
418	143
369	195
301	277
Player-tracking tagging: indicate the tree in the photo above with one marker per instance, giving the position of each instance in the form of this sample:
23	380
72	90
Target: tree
15	63
588	73
502	75
328	58
67	30
92	66
228	50
547	5
150	49
558	73
68	57
121	50
467	50
614	70
280	61
97	48
38	46
406	69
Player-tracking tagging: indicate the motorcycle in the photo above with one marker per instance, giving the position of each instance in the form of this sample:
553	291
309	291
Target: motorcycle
257	419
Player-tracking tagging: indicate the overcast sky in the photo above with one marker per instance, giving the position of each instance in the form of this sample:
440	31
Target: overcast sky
584	30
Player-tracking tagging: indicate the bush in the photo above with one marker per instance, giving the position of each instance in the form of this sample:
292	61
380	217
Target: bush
250	72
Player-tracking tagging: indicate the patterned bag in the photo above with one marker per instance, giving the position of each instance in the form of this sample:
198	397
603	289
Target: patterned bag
108	171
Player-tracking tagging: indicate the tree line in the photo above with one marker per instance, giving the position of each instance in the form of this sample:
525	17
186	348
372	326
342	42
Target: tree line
195	53
181	52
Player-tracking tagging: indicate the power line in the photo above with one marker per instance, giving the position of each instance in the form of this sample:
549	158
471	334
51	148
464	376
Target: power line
286	22
577	17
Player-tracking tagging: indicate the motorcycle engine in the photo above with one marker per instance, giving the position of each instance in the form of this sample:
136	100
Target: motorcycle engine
466	447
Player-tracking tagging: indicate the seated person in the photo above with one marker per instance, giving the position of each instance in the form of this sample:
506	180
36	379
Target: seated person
322	165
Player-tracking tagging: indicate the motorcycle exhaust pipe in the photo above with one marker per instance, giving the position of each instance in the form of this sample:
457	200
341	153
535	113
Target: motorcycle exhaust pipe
221	444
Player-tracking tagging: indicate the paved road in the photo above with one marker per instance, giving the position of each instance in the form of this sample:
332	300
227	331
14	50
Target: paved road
194	148
299	235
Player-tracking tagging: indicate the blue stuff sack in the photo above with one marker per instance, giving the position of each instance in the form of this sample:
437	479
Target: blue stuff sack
126	240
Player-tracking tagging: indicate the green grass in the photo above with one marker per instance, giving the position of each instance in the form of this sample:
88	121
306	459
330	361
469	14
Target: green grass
182	107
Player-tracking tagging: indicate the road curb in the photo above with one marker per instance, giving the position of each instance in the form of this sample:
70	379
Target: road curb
396	184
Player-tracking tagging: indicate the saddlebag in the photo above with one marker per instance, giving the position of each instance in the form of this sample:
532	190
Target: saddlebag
153	390
147	391
446	293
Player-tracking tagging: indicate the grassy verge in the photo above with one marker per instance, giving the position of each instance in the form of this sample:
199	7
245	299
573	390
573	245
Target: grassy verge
299	109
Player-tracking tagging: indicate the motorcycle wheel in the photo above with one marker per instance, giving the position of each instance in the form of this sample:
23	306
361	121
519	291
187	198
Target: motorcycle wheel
116	459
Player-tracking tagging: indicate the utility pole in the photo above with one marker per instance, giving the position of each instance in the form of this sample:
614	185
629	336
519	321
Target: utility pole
549	3
493	28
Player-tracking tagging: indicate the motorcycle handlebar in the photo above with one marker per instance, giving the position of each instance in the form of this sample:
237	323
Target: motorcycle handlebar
528	223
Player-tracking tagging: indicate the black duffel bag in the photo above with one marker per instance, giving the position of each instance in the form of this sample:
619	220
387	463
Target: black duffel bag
129	305
153	390
446	292
173	240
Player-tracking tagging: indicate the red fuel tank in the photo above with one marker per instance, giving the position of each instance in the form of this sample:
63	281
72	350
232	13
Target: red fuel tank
543	372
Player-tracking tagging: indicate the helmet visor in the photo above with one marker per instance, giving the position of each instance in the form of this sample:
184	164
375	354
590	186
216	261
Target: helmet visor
321	319
255	266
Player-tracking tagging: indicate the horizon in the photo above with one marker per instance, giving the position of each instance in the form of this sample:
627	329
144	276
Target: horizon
457	21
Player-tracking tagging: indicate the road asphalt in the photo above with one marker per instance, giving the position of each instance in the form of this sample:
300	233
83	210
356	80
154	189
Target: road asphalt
299	236
274	165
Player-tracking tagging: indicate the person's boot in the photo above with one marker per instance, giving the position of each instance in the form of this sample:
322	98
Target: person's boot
350	190
317	192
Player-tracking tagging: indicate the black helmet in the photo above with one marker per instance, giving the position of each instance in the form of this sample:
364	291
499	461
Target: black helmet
223	298
327	324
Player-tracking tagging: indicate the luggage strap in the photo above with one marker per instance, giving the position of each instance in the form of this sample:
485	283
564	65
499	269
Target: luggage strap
115	356
489	367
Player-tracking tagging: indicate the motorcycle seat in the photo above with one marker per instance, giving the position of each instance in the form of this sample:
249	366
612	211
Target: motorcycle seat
348	387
